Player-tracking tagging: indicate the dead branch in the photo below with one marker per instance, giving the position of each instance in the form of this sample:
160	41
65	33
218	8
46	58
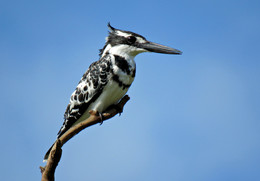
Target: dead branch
53	160
49	170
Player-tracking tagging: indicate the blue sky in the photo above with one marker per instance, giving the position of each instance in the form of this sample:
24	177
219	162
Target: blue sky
190	117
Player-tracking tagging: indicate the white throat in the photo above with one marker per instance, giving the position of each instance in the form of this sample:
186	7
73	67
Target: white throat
126	51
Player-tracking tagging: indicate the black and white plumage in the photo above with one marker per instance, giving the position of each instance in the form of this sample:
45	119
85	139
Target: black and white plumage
107	80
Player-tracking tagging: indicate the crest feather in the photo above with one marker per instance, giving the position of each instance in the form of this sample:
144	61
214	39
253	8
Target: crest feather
112	29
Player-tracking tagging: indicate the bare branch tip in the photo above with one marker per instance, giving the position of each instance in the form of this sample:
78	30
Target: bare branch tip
42	169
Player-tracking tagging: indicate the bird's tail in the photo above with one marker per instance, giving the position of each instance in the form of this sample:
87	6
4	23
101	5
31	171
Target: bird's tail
47	154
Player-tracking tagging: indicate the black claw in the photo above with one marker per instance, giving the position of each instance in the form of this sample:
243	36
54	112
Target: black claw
101	118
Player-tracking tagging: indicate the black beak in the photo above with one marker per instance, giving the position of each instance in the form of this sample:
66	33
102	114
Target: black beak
154	47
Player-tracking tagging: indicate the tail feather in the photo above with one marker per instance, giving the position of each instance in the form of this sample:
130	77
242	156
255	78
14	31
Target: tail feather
47	154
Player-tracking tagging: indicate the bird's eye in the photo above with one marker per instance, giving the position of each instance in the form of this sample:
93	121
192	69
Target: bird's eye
131	39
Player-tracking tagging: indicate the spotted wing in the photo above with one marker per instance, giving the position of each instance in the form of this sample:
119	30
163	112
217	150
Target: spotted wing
87	91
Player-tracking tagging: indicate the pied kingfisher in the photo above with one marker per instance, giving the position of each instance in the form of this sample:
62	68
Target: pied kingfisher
107	80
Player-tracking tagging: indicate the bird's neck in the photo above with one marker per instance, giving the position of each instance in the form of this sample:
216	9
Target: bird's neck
123	63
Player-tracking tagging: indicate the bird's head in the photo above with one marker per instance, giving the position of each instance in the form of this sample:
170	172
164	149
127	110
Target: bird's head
128	43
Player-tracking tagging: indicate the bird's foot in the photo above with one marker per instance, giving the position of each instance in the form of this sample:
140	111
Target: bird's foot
96	113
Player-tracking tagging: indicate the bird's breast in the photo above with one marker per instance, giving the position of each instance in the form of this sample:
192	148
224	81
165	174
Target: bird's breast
110	95
123	69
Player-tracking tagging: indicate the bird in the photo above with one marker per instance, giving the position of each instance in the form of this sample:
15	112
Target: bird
107	80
